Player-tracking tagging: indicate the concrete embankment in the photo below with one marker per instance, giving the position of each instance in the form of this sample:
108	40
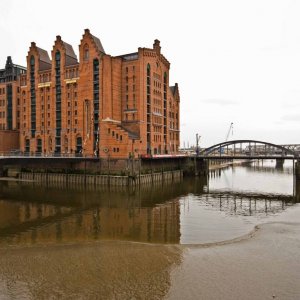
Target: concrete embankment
90	180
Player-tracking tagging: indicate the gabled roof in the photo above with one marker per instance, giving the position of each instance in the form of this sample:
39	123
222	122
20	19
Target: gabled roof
44	59
71	58
172	89
98	43
43	55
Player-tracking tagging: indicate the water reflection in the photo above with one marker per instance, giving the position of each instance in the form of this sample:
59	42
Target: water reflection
189	211
31	213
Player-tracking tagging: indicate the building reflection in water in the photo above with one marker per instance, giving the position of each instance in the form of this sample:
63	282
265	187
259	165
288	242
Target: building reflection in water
35	214
30	213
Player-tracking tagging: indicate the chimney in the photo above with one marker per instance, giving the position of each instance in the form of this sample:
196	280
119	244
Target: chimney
156	46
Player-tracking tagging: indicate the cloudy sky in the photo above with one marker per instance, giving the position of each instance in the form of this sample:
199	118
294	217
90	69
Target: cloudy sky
235	60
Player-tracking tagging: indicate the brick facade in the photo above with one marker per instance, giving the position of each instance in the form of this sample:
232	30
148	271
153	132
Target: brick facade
98	104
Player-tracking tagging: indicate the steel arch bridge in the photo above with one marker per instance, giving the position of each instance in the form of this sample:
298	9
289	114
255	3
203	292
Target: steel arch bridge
248	149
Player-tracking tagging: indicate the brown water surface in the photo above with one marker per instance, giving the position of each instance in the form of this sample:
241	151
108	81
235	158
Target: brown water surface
174	239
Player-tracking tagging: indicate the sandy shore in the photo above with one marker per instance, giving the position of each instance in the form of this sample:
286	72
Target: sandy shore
264	265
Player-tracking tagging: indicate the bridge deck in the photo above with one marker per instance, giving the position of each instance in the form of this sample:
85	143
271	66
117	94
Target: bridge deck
243	157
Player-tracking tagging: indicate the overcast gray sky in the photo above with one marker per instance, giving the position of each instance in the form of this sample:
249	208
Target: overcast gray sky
235	60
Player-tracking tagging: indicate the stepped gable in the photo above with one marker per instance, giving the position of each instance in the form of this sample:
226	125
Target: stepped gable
96	41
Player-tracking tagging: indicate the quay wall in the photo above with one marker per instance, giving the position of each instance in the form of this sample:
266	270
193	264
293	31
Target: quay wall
93	180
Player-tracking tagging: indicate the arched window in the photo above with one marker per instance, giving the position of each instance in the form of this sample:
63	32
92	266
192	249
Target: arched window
57	55
86	53
32	60
148	70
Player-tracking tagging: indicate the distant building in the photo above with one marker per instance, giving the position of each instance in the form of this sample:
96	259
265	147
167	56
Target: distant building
98	105
10	95
10	105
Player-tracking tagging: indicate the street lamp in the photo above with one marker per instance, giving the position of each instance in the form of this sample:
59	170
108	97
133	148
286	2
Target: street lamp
197	143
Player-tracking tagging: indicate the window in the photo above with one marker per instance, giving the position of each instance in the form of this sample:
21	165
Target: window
86	53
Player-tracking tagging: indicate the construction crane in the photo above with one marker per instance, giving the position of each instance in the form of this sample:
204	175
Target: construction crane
230	130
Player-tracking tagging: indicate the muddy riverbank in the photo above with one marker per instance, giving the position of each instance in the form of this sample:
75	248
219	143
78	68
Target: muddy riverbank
263	265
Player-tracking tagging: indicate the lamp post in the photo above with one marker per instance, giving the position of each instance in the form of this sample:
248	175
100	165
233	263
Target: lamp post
197	143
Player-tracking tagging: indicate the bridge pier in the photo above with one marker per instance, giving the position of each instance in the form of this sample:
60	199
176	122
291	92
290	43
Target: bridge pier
195	166
279	163
297	170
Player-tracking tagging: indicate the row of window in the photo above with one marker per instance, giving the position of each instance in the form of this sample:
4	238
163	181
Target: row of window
174	136
2	114
157	138
2	102
49	123
73	73
157	129
114	134
130	117
2	91
127	69
173	115
174	125
133	88
133	79
45	78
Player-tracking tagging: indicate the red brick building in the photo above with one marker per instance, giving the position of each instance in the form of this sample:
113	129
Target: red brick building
97	104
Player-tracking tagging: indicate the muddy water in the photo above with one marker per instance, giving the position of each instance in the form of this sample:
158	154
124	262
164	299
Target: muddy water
174	240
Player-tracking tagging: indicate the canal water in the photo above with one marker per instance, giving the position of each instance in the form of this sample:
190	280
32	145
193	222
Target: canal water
194	211
119	243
